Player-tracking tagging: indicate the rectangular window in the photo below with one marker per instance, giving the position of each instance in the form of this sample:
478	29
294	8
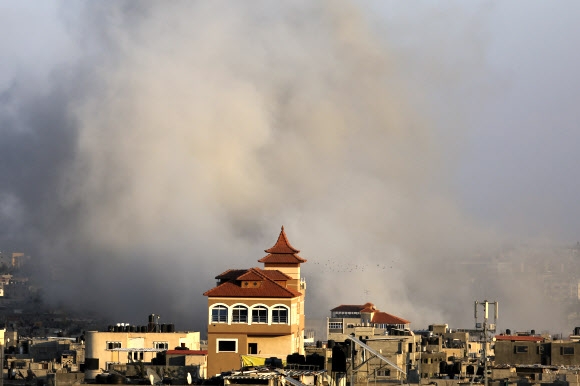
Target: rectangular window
161	345
566	350
219	314
520	349
240	315
260	315
383	373
113	345
279	315
252	348
227	345
335	325
137	355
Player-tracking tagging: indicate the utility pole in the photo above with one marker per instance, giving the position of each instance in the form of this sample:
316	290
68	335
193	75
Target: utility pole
486	327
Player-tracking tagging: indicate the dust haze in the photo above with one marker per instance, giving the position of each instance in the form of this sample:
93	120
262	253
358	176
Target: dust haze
165	142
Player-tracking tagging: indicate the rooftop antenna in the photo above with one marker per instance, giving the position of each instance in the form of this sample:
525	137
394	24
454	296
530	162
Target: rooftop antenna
486	327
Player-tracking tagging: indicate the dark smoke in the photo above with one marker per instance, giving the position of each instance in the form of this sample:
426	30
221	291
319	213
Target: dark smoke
180	136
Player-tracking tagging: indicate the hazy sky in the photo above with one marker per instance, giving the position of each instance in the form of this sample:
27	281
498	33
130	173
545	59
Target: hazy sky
148	146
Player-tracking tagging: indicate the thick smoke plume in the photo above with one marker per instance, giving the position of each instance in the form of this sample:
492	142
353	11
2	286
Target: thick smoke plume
178	137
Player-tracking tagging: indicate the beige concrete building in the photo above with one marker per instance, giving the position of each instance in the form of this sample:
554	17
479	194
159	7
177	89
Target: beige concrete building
257	311
104	349
363	321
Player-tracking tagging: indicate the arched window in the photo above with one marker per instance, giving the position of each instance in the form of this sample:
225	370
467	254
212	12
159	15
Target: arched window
259	314
240	314
280	314
219	314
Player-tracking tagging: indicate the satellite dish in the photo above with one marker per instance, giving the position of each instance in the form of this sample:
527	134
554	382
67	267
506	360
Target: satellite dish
188	378
153	377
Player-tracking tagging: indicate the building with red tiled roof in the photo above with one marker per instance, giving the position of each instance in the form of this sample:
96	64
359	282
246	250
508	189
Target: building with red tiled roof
257	311
520	338
364	319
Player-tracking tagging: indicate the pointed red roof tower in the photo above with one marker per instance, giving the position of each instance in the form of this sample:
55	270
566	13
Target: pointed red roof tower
284	257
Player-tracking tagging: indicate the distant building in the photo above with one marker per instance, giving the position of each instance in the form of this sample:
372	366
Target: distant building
519	349
363	320
257	311
19	259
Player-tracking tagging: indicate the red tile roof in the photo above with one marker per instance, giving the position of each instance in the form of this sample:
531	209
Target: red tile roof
353	307
282	252
384	318
378	316
250	275
282	245
269	285
274	274
520	338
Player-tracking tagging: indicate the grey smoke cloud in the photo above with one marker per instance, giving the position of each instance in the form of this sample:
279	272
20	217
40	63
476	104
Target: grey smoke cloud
172	140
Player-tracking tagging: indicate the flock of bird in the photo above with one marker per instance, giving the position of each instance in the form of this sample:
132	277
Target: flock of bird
332	265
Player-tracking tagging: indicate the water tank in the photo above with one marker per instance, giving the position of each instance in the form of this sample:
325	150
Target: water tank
170	327
296	359
101	379
164	327
116	379
330	344
315	360
508	331
151	326
274	362
338	360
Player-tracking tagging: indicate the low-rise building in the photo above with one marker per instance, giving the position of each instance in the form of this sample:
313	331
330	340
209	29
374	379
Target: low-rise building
131	344
363	321
521	350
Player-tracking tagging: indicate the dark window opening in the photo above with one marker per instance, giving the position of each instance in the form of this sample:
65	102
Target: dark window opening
252	348
521	349
227	346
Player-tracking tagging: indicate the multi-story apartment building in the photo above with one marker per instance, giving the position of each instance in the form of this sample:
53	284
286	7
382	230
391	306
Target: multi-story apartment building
384	333
363	320
257	311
